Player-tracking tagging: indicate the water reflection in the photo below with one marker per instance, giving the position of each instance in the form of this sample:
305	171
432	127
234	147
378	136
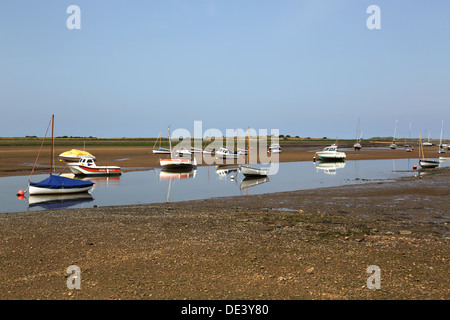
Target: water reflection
175	174
253	181
224	170
59	201
329	167
153	186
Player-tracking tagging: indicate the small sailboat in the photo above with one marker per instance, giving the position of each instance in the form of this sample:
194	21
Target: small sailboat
160	150
441	146
425	163
393	145
427	143
409	148
177	163
357	145
251	171
56	184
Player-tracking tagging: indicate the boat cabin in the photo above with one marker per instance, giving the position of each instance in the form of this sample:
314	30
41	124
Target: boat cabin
87	162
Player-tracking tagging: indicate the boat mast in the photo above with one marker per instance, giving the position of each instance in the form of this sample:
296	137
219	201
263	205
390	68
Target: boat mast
395	130
51	146
170	144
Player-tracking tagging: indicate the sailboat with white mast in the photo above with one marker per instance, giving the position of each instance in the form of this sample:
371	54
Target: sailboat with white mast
393	145
441	147
357	145
408	147
175	163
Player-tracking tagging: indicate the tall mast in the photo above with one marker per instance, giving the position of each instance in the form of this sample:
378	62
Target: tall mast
395	130
51	146
170	144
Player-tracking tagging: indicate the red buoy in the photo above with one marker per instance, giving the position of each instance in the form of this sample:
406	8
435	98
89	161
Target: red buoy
21	193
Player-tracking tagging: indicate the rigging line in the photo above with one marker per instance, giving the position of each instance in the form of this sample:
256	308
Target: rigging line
39	152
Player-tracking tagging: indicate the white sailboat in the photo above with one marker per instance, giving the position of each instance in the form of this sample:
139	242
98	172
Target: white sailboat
56	184
425	163
357	145
441	147
393	145
177	163
409	148
160	150
428	143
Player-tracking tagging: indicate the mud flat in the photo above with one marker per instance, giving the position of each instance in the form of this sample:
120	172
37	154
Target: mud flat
301	245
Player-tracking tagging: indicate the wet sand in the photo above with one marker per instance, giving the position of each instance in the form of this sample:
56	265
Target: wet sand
20	160
311	244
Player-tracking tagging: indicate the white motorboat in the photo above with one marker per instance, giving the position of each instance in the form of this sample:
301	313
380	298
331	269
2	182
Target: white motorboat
250	172
184	152
226	153
87	167
75	155
275	148
444	159
331	153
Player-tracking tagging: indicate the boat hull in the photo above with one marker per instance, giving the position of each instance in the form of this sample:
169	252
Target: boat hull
254	172
94	170
40	191
428	163
171	164
338	156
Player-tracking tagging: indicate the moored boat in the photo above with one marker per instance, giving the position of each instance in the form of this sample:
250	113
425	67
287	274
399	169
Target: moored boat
75	155
59	185
249	171
88	167
226	153
275	148
331	153
55	184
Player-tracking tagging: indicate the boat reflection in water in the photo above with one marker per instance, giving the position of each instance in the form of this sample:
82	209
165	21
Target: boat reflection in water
253	181
224	170
59	201
176	174
103	181
329	167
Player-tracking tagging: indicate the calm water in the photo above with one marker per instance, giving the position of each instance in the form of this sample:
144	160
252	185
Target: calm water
154	186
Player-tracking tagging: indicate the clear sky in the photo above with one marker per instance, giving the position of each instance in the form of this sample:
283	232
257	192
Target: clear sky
307	68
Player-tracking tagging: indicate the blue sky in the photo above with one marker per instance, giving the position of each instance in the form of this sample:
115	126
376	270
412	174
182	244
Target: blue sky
307	68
